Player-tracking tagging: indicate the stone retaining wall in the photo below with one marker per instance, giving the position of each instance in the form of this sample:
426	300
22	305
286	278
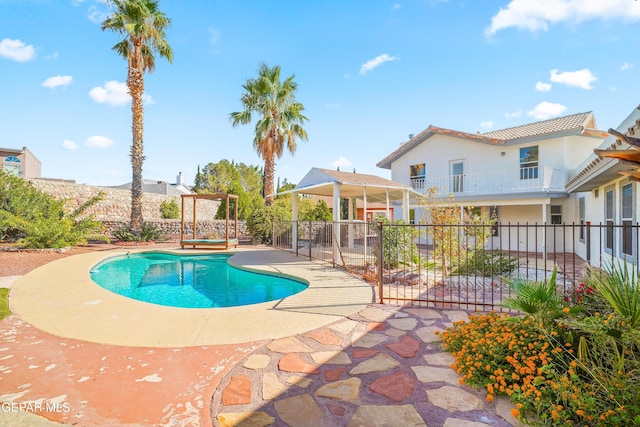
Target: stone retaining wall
114	210
214	229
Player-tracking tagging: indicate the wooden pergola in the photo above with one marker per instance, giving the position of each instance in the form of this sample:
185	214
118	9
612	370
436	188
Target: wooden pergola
226	243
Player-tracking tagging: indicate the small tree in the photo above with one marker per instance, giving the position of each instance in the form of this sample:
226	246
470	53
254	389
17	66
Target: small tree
169	209
456	232
398	246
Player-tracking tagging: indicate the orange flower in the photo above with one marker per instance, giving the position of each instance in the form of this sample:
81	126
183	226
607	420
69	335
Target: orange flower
489	398
515	412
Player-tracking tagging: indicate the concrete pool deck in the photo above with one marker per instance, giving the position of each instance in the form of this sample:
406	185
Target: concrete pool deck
378	365
60	298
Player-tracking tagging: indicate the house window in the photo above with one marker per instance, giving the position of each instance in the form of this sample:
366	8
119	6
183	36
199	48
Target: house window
529	163
457	176
626	216
412	216
556	214
581	216
417	174
12	166
609	216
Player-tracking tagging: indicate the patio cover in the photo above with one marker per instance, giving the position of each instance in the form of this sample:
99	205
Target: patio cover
337	184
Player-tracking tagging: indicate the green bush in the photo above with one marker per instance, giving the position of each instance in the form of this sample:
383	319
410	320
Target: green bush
397	243
169	209
485	263
148	233
260	223
37	220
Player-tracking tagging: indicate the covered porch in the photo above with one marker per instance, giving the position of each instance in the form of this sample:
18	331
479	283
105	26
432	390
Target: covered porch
339	185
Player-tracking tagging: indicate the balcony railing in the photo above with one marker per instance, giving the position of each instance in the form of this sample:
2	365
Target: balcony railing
529	179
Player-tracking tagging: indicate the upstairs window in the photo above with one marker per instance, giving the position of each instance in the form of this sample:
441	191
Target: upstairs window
529	163
417	174
12	166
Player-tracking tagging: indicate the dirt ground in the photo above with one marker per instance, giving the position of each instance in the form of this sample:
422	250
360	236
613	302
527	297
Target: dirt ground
17	263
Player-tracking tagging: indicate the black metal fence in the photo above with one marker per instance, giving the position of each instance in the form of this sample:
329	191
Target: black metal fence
460	266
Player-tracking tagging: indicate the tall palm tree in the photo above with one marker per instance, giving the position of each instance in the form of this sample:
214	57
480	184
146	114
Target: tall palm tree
143	26
280	122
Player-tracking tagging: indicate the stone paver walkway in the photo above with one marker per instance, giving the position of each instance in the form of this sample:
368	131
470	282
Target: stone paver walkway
380	367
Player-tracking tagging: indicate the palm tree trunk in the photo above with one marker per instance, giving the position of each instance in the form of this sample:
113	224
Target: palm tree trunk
269	173
135	83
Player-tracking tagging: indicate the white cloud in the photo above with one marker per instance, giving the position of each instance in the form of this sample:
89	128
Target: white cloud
54	55
612	89
341	162
535	15
487	125
543	87
148	99
375	62
97	141
69	145
116	93
396	6
96	15
513	115
580	78
55	81
113	93
17	50
546	110
626	66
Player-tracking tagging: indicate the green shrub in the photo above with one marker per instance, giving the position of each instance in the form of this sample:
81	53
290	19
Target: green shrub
169	209
260	223
397	243
487	264
148	233
37	220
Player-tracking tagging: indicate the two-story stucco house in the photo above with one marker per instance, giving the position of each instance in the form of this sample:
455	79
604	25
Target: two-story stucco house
517	175
20	162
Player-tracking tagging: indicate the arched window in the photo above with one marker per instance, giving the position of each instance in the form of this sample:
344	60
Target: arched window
12	166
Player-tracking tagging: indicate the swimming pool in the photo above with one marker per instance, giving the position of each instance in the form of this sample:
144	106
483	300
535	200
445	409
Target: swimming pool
190	281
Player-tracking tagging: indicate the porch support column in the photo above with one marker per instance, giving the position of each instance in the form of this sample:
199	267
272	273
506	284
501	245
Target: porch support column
364	209
405	206
365	233
388	211
336	223
294	222
350	219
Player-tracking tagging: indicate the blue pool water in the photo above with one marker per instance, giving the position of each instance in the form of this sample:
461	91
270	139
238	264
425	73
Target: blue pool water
191	281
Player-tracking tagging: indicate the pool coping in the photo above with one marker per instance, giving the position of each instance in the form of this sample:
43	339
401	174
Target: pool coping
60	298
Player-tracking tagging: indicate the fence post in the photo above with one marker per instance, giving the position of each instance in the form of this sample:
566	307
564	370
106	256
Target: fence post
294	235
380	260
588	239
310	229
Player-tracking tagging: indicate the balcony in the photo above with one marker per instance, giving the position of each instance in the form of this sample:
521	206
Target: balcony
520	180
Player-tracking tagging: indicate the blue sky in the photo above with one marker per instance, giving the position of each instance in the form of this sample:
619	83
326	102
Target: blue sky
369	74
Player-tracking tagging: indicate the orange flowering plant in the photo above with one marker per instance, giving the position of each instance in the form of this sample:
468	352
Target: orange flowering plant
576	363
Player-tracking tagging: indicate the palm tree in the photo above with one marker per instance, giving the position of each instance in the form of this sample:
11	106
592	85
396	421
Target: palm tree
143	26
281	118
